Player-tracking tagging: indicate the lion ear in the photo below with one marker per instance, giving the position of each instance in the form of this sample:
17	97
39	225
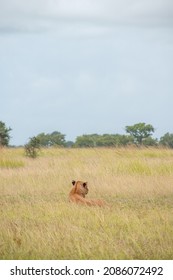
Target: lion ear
73	182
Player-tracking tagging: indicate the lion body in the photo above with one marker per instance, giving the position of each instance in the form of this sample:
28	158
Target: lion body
78	193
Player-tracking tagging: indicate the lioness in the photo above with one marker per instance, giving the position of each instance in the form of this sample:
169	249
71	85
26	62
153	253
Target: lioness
78	193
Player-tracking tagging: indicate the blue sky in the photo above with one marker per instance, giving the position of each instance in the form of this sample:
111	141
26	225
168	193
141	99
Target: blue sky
85	66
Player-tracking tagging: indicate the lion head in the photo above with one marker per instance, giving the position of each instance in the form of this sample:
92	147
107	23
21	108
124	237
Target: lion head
80	188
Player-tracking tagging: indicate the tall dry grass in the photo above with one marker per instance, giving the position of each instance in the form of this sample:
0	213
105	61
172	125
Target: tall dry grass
38	222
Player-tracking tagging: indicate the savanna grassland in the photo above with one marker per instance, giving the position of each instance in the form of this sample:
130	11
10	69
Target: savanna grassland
38	222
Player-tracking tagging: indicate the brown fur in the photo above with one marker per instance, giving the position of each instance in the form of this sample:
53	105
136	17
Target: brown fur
78	193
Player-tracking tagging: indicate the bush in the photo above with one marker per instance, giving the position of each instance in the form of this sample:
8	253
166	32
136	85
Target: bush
32	148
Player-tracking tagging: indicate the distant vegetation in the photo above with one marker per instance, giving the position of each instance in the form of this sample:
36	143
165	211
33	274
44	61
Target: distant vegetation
139	134
4	134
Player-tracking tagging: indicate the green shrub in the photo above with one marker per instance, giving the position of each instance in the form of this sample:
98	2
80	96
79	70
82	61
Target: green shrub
32	148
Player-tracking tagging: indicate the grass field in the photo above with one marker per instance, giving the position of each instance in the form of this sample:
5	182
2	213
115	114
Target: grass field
38	222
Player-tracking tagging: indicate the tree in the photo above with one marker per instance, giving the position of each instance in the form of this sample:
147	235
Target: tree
167	140
86	140
32	147
140	131
69	144
53	139
4	134
57	139
114	140
105	140
149	141
43	139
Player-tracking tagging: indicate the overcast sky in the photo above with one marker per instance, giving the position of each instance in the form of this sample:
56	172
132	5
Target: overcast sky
85	66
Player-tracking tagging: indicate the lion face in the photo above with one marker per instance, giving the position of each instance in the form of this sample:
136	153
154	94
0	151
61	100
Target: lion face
81	188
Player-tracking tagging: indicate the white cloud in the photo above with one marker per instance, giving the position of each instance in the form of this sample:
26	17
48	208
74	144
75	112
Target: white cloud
40	15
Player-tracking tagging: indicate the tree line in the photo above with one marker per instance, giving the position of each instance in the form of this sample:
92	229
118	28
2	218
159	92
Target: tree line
137	134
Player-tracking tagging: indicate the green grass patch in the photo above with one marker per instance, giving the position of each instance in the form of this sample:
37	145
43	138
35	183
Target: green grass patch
7	163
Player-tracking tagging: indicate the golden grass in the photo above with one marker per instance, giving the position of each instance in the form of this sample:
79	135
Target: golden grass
38	222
